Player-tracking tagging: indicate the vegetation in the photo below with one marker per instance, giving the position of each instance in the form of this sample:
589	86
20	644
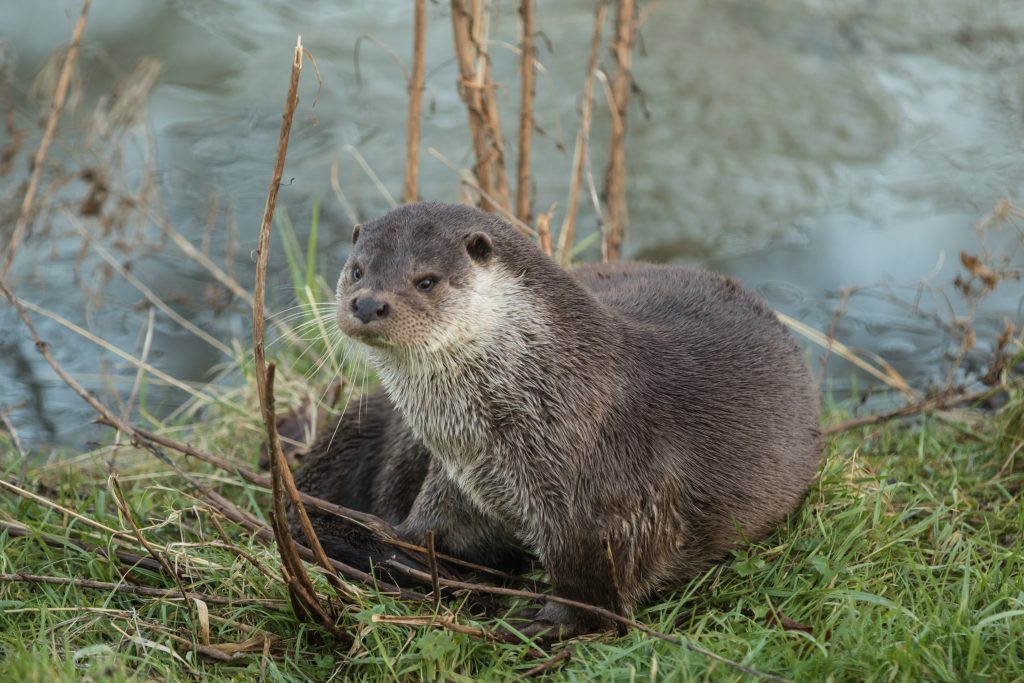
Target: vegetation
906	562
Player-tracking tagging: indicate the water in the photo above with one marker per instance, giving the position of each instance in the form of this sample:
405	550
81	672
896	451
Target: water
803	147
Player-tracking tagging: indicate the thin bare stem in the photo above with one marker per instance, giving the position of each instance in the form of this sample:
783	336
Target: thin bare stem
147	292
527	72
615	176
300	586
123	557
566	237
472	96
544	229
55	506
412	126
59	96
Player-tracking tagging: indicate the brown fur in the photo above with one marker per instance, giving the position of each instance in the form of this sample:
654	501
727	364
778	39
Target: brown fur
660	412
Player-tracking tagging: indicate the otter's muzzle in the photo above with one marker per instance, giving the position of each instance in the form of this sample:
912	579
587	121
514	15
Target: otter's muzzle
367	308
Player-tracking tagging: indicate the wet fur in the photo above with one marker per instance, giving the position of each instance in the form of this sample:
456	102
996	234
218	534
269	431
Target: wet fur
656	412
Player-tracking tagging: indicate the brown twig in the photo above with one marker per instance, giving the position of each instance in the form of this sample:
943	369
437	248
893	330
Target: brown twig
493	118
615	177
300	586
59	96
544	229
140	590
527	72
566	237
474	86
551	663
447	622
943	402
412	126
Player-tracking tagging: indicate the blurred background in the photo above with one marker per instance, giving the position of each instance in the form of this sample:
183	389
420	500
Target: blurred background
805	147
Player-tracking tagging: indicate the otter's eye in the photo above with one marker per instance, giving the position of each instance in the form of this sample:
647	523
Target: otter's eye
357	273
426	284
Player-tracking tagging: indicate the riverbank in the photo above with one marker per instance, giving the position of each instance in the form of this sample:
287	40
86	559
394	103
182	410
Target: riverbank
904	562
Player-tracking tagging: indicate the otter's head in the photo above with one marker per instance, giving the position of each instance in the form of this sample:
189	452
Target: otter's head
421	277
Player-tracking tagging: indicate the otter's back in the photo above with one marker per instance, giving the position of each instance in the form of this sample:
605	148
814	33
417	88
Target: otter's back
731	394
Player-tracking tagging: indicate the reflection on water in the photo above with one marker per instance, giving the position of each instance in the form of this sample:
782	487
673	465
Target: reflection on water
802	146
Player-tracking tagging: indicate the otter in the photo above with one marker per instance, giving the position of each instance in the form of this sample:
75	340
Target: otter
627	424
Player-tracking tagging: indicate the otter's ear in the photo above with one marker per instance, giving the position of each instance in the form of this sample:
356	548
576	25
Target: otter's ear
355	232
478	246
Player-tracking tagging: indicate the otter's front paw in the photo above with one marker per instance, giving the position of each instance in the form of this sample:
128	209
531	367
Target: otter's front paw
555	622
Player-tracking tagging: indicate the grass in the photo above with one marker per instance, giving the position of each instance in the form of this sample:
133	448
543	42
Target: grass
903	563
906	562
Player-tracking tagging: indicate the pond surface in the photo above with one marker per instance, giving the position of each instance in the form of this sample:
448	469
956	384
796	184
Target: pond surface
802	147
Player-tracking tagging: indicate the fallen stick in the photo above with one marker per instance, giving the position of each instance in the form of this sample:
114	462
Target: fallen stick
930	404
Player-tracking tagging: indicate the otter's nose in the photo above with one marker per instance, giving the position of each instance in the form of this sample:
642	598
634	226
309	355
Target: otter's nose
367	308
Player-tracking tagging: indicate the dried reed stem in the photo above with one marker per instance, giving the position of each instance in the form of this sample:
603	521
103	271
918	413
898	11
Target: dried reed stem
412	126
470	38
59	96
553	662
527	73
471	96
435	587
494	125
615	177
567	235
299	584
544	229
888	375
28	495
